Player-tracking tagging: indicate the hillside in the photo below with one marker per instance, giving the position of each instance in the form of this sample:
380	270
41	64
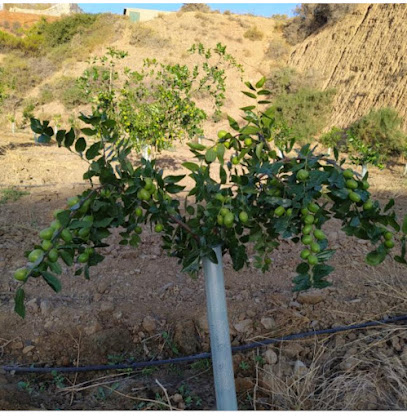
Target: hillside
11	22
363	57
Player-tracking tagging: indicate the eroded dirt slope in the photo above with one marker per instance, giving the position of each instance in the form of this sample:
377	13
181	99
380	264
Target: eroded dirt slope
363	57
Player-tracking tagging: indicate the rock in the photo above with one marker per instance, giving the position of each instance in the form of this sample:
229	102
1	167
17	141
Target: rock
268	323
312	297
185	337
45	307
33	305
202	323
107	307
349	363
177	398
270	356
92	328
181	405
243	384
292	349
27	349
244	327
17	345
300	369
149	324
103	285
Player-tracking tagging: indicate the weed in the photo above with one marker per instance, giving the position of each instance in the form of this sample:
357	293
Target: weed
243	365
168	340
58	379
254	34
26	386
201	364
190	399
148	371
11	195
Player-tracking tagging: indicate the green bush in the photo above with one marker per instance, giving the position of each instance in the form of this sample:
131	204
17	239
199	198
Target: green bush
336	137
306	111
69	93
380	129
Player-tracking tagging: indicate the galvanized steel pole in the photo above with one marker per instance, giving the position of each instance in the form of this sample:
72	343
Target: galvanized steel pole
219	334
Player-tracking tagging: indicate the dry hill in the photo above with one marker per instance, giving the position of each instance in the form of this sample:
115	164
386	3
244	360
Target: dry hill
363	57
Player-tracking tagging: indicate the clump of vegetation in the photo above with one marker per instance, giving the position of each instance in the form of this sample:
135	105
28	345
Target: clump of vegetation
279	22
195	7
277	50
311	17
11	195
144	36
254	34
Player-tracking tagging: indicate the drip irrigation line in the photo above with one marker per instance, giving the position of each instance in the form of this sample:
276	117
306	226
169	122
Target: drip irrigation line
201	356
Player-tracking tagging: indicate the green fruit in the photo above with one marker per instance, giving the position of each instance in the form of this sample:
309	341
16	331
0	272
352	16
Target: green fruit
227	144
312	260
46	245
309	219
35	255
368	205
55	225
149	184
279	211
351	184
21	274
318	234
313	207
305	254
302	175
47	233
388	235
72	201
83	258
66	235
138	212
354	197
307	229
84	232
315	247
221	134
365	185
304	211
144	194
389	244
306	239
88	218
235	160
53	255
348	174
219	219
289	212
89	251
220	197
224	211
248	142
244	217
138	230
158	228
228	219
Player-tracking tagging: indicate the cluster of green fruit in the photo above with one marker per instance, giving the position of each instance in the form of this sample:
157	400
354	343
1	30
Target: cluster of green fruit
225	216
147	191
48	250
351	187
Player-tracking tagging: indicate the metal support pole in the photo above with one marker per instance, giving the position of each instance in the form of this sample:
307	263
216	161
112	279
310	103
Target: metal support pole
364	170
219	334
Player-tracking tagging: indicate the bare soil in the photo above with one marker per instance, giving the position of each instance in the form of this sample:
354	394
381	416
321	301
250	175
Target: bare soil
139	305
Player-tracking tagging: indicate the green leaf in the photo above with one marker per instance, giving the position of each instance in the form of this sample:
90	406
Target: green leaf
174	188
80	145
233	124
260	83
222	175
60	136
52	281
191	166
302	268
210	155
264	92
19	307
69	138
249	94
89	132
250	130
375	257
249	85
43	139
220	150
68	260
64	217
173	179
321	270
103	223
195	146
36	126
93	151
247	108
389	205
404	226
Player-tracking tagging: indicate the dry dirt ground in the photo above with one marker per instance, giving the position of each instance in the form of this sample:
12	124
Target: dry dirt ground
138	305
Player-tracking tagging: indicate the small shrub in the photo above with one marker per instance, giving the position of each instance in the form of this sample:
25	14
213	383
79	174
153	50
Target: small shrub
277	49
227	12
254	34
144	36
336	137
70	94
195	7
46	95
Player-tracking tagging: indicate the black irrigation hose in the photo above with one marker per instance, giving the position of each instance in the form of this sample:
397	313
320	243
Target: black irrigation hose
144	364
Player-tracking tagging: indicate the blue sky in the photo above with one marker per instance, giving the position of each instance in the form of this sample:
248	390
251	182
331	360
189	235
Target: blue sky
262	9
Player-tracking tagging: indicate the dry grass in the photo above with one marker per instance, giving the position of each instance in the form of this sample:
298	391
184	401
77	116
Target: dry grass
254	34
